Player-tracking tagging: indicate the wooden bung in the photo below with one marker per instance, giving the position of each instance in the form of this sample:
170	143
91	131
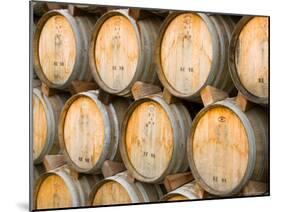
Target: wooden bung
118	190
89	131
46	111
60	189
121	51
191	53
248	58
153	139
60	43
228	147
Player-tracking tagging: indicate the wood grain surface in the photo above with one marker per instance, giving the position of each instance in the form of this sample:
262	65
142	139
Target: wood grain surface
39	126
251	55
220	149
53	193
57	49
110	193
116	52
176	197
186	53
149	139
84	132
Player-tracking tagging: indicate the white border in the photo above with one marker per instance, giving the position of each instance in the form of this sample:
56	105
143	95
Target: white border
15	104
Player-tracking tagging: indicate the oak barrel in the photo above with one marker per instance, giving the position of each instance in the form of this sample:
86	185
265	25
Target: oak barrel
249	58
89	131
121	51
119	190
46	112
60	44
191	53
189	191
153	139
228	147
58	189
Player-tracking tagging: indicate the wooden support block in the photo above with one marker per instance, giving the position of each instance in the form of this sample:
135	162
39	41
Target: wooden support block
53	161
39	8
160	13
169	98
139	14
105	98
81	86
36	83
141	89
255	188
38	170
93	9
110	168
210	95
55	6
75	11
243	103
99	11
47	91
175	181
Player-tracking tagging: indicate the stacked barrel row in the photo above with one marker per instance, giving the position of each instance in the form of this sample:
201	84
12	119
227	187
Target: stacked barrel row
182	54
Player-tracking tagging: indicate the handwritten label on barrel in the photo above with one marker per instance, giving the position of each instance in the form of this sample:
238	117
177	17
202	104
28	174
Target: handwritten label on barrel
81	159
147	154
261	80
216	179
58	63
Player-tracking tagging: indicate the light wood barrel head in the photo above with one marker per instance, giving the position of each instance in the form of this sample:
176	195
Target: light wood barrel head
84	132
175	197
111	192
57	49
251	56
186	53
53	193
39	126
149	139
116	52
220	149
